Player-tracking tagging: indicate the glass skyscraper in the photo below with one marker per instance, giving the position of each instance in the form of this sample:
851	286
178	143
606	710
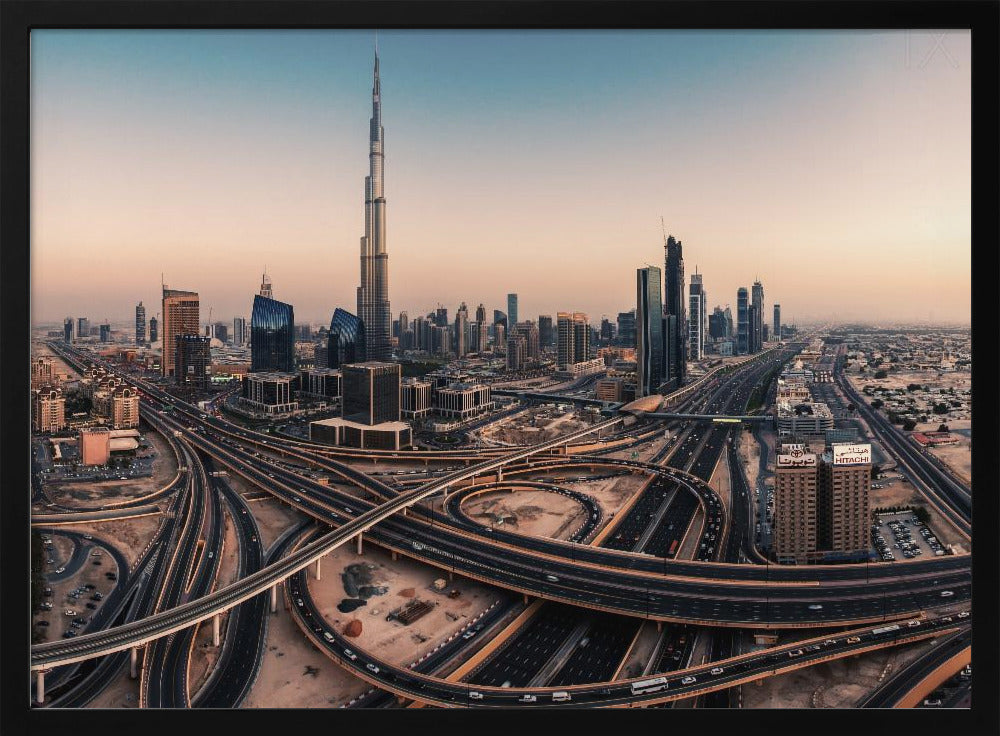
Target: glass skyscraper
346	341
649	331
272	336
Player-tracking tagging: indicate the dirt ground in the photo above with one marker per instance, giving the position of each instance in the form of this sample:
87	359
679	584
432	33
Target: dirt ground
131	536
90	495
295	674
517	429
839	683
535	512
749	452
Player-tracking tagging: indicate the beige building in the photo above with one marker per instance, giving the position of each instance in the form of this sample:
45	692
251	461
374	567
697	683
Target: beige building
95	445
463	401
795	521
845	499
180	316
415	398
124	407
49	408
42	373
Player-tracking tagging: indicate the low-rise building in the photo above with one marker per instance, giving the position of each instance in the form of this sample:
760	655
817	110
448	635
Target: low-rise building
463	401
609	389
804	419
320	383
415	398
49	409
95	445
269	392
345	433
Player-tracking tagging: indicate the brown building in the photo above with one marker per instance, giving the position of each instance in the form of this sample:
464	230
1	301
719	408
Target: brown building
41	372
844	499
795	522
124	407
49	408
609	389
95	445
180	317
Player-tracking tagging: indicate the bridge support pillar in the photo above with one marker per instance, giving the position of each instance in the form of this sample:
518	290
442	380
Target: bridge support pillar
659	626
359	539
40	687
215	629
318	571
133	661
499	475
525	599
451	575
395	555
274	598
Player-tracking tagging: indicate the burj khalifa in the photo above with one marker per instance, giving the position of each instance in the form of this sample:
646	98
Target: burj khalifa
373	293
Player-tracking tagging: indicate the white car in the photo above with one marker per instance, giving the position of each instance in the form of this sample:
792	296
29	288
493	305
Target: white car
60	570
373	667
527	698
689	680
717	670
944	593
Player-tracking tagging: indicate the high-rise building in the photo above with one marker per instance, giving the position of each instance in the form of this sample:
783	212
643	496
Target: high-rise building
373	293
193	360
844	499
371	392
68	329
269	393
302	332
499	317
49	409
546	338
404	322
649	331
517	352
717	324
764	333
180	317
124	407
742	322
697	310
795	512
346	340
154	332
573	342
415	398
753	335
499	337
673	304
607	331
105	332
42	373
626	329
757	294
511	309
730	332
480	337
140	324
529	330
462	330
82	327
777	323
239	331
222	331
480	313
441	316
272	334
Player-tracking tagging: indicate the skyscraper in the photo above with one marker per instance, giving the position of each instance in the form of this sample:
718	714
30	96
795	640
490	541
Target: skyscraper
545	332
528	330
512	309
105	332
480	313
180	317
697	320
758	324
717	324
193	359
441	317
742	322
140	324
154	332
776	335
239	331
673	296
649	331
626	328
373	293
346	340
83	327
68	329
272	333
404	322
462	330
499	316
573	339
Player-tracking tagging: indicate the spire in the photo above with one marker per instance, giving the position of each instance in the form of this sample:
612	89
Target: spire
376	87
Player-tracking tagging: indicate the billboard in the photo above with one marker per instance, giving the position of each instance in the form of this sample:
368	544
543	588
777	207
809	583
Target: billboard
792	448
851	454
794	456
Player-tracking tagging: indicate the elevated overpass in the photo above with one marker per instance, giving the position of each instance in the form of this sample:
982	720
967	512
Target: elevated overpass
718	418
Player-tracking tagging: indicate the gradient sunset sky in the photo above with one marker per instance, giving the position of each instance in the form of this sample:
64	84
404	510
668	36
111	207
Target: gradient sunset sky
833	166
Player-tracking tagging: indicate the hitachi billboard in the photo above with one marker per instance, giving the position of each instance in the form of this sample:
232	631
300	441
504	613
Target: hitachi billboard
850	454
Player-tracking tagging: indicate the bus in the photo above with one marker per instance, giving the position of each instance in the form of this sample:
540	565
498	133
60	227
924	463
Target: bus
673	549
652	685
885	629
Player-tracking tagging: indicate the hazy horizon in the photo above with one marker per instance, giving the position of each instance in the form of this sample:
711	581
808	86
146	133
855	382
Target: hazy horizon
835	166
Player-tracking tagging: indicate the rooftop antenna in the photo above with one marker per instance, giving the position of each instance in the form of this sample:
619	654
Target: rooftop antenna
663	226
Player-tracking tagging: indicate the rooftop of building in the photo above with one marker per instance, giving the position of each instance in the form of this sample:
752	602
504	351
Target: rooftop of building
372	365
271	376
804	408
382	426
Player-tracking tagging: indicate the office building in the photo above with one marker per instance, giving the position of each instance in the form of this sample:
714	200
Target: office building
320	383
511	309
528	330
346	340
302	332
480	337
776	332
95	445
607	331
373	292
844	505
344	433
517	353
154	333
499	337
193	359
105	332
674	305
415	398
441	316
765	336
68	330
757	329
609	389
272	335
794	537
49	409
222	332
239	331
269	392
546	336
371	392
499	317
626	329
462	331
463	401
404	322
42	371
753	332
697	310
717	325
82	327
180	317
742	322
140	324
573	339
650	361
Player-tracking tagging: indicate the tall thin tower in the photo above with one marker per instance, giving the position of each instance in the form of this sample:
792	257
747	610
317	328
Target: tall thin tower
373	293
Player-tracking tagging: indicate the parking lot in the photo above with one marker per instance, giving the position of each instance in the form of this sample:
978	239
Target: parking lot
901	536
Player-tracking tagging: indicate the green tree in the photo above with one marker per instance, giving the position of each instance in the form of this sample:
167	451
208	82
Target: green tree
943	428
877	404
940	408
909	425
922	514
880	374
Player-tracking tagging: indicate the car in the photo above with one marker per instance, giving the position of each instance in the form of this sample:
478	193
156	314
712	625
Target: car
690	679
298	602
813	648
350	655
963	614
47	591
89	586
69	612
795	653
68	634
88	536
947	593
912	624
46	606
717	670
474	695
468	634
816	607
853	639
97	597
527	698
373	667
60	570
935	703
947	620
211	554
552	578
328	636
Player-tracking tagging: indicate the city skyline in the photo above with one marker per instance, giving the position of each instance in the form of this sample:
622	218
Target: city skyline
843	145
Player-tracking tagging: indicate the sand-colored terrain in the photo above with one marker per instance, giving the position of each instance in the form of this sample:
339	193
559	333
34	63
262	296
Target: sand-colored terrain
839	683
130	536
900	492
295	674
535	512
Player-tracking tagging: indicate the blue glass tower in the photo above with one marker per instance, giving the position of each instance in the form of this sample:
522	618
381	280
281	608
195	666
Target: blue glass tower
346	342
272	336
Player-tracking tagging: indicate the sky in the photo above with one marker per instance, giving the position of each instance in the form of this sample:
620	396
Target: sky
833	166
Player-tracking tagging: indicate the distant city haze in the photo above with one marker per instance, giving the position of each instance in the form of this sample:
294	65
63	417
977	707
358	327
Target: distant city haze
835	167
